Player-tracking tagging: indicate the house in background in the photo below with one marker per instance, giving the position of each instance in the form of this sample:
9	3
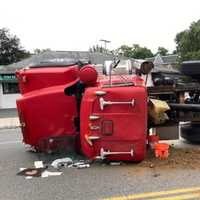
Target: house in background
9	90
163	63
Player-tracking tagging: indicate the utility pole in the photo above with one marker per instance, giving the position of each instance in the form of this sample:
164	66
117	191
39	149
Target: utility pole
105	43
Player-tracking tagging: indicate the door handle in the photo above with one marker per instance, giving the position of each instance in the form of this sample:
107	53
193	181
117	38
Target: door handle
91	138
104	153
103	103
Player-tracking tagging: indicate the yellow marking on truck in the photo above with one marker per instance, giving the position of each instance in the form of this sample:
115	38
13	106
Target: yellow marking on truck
192	194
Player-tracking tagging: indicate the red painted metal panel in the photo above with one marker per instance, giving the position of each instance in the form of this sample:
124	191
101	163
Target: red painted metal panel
38	78
46	114
45	111
129	122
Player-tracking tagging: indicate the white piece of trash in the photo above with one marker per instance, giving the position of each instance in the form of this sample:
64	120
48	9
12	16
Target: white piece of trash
38	164
115	163
28	177
61	162
48	173
21	169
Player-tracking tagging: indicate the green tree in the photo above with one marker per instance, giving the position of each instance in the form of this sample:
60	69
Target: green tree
126	51
135	51
188	42
141	52
174	52
10	48
162	51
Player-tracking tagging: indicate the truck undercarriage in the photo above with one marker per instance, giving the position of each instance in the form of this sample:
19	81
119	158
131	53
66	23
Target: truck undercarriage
183	97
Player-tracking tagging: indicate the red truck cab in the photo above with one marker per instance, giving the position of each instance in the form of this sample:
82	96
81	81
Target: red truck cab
114	121
58	102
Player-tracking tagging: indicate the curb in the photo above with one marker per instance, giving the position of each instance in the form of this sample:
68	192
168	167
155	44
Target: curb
9	123
9	127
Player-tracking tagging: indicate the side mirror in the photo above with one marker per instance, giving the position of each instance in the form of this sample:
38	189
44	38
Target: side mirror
146	67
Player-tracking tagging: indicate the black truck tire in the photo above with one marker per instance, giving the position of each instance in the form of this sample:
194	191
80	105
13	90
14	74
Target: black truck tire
191	132
191	68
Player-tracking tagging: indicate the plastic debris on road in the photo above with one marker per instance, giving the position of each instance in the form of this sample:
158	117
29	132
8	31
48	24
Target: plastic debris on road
38	171
38	164
115	163
80	165
31	172
67	162
48	173
62	162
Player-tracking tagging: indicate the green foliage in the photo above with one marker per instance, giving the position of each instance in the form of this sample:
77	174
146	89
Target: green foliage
162	51
10	49
126	51
188	42
135	51
174	52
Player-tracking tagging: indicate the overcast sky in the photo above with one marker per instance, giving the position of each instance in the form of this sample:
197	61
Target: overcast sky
79	24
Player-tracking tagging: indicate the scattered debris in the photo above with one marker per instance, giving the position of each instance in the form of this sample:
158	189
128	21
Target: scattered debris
80	165
115	163
41	171
28	177
186	151
156	175
62	162
30	148
151	165
48	173
38	164
31	172
83	166
21	169
38	171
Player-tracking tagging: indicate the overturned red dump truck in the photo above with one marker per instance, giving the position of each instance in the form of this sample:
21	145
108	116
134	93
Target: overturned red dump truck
59	102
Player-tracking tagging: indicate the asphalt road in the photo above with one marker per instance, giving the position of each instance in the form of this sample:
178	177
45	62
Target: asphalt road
98	182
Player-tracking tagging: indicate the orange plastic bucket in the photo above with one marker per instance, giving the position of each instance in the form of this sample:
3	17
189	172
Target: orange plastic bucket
161	150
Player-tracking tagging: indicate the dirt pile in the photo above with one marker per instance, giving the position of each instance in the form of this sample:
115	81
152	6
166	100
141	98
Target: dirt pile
183	158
